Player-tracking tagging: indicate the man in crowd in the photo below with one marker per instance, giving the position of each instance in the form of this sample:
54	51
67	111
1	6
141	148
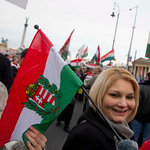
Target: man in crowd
96	71
141	121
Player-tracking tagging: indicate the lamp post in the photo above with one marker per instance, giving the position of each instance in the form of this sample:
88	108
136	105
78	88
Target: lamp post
113	15
134	63
127	67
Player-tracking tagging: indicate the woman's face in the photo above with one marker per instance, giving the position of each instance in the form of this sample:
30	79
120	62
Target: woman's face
119	101
15	61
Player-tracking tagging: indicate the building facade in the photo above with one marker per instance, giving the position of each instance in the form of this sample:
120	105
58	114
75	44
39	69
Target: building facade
140	67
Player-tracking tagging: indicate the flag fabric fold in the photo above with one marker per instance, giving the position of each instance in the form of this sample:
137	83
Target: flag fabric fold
88	77
64	50
85	53
76	63
97	56
80	52
108	56
88	65
22	48
147	54
42	88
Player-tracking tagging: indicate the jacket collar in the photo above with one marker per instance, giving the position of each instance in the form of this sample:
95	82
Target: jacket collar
96	120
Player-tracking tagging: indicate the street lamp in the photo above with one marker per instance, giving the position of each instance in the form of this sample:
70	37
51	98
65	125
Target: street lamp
113	15
127	67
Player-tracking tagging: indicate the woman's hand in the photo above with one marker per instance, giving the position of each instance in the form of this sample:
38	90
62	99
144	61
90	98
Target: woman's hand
37	141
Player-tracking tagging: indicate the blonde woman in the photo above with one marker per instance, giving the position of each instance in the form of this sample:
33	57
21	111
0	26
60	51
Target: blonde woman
116	93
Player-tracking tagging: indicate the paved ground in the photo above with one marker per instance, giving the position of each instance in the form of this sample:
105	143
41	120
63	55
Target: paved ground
56	136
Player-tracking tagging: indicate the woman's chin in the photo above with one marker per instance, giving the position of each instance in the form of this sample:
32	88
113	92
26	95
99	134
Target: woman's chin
118	120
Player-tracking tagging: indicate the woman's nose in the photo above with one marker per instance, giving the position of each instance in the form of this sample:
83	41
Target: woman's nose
122	102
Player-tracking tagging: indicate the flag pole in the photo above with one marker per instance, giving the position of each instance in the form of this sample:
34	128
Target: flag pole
36	27
100	114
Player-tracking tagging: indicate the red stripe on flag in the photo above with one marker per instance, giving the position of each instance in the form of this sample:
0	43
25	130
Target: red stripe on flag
76	60
112	51
86	50
98	57
52	99
63	49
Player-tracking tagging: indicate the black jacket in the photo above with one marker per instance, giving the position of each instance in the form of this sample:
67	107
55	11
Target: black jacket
5	71
91	133
14	71
143	113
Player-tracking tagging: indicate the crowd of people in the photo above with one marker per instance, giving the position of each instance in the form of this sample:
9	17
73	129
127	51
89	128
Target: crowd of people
114	119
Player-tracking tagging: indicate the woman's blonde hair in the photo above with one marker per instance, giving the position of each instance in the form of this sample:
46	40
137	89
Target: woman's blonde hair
105	80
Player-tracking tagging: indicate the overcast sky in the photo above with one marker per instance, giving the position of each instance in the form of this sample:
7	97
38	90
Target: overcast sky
90	18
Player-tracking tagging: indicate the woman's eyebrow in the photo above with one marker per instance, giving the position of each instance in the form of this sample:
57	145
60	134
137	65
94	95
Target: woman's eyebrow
113	91
131	93
119	92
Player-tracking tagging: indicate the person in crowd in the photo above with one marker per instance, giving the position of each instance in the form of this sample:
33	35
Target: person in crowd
9	56
78	72
6	76
85	71
141	122
116	94
3	97
96	71
14	66
36	141
66	114
80	91
23	54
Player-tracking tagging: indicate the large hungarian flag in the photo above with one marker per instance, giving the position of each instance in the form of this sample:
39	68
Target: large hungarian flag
97	56
148	47
108	56
85	54
64	50
76	63
44	85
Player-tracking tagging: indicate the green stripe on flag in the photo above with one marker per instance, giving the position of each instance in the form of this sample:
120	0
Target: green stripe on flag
109	58
95	57
148	51
85	55
64	55
69	84
76	67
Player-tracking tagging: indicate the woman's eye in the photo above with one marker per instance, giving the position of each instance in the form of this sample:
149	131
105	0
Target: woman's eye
114	95
130	97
